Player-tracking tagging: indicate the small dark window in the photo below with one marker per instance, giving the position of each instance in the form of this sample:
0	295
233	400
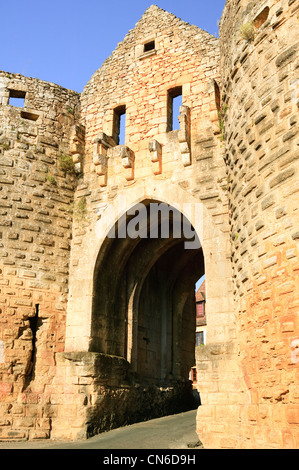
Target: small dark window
174	102
217	96
261	17
30	116
17	98
149	46
119	125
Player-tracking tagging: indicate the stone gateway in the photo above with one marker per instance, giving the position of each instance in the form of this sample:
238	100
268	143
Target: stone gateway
97	302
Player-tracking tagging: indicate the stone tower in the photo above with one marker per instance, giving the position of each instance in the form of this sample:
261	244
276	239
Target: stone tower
259	113
36	226
98	326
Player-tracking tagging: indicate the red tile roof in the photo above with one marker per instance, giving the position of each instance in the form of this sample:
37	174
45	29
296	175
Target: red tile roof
201	293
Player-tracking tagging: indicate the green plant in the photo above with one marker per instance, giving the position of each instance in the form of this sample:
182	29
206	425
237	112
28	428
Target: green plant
5	145
80	210
51	180
221	113
247	31
71	110
66	164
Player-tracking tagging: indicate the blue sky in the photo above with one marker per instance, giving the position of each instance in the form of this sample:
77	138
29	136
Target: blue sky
66	41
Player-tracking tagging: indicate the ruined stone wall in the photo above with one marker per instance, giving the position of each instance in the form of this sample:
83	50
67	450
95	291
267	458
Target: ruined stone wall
36	195
259	65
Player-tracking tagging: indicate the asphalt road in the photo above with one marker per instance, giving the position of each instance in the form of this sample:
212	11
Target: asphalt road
170	432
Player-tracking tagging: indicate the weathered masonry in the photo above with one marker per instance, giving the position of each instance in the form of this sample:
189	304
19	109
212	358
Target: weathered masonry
98	331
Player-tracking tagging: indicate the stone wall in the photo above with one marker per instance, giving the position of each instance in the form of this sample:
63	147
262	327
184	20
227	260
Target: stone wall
96	392
233	156
259	66
35	235
48	211
184	56
155	164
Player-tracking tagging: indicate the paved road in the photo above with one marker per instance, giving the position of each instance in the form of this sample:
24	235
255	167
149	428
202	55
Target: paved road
170	432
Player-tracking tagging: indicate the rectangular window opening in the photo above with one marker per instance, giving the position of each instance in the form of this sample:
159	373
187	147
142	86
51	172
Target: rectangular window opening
200	338
200	309
17	98
175	101
29	116
119	125
149	46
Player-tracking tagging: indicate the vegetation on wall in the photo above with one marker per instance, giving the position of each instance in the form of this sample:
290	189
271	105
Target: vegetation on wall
247	31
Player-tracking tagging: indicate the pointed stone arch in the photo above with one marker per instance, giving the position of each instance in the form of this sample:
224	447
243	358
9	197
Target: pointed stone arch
213	241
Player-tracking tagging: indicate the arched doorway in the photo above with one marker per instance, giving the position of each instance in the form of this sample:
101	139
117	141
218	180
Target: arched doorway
131	307
143	293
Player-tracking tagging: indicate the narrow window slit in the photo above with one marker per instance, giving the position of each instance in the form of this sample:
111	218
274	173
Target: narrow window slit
33	323
217	96
119	125
174	102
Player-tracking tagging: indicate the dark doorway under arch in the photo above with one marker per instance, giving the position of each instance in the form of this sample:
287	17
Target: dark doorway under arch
143	300
144	308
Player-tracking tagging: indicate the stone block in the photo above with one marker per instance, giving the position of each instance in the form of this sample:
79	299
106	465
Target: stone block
13	435
285	57
38	435
283	176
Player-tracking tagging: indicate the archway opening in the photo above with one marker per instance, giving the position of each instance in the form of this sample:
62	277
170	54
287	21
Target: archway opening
143	298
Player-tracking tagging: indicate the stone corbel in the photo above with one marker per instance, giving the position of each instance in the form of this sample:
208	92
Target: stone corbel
184	135
127	159
77	146
155	150
102	143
